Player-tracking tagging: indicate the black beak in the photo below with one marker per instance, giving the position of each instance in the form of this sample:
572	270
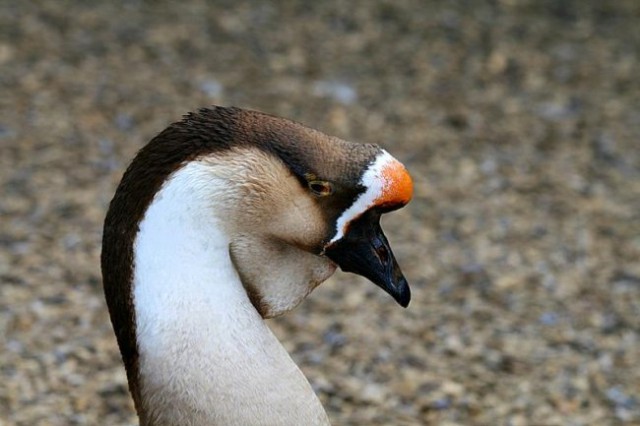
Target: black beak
364	250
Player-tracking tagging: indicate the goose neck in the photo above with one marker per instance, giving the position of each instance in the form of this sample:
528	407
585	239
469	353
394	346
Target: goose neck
205	354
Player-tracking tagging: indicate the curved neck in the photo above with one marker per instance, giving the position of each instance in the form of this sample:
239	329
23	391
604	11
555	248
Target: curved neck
205	354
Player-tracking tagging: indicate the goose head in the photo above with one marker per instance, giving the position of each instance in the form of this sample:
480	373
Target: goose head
299	203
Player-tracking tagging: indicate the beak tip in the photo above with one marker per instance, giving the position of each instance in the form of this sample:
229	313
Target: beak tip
402	293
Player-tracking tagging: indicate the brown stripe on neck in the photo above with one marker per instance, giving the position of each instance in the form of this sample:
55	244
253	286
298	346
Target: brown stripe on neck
178	144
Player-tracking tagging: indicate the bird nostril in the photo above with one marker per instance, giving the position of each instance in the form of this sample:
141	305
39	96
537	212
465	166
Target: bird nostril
382	253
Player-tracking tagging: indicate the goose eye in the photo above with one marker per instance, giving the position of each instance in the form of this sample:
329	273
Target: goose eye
320	187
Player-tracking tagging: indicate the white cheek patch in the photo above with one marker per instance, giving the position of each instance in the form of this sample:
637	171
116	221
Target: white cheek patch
383	178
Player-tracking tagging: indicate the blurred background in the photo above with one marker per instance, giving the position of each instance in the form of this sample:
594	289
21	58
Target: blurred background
518	119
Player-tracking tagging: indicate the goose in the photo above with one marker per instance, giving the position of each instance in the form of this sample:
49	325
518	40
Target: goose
225	218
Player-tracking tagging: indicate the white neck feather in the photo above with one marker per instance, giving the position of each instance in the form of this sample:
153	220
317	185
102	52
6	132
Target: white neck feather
206	355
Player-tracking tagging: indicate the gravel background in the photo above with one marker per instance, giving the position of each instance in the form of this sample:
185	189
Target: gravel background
519	121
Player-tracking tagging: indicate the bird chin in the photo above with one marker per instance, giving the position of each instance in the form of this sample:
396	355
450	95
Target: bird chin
323	271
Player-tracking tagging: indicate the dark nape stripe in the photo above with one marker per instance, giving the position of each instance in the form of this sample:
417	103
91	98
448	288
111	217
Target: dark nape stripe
197	134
